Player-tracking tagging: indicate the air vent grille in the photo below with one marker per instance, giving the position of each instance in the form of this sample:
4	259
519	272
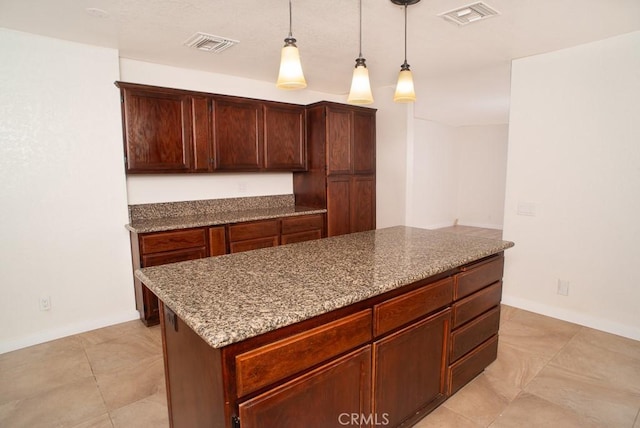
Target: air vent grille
470	13
209	43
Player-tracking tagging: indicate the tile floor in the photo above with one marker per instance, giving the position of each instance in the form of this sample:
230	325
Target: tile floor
549	373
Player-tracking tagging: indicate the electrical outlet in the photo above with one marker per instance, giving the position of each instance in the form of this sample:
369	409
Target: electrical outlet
45	303
563	287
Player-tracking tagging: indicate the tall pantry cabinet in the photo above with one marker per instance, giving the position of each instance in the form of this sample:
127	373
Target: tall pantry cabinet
342	164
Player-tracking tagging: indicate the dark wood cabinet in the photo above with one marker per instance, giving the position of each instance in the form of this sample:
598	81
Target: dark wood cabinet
411	364
237	134
158	129
254	235
284	137
341	174
475	321
153	249
385	361
176	131
351	203
325	397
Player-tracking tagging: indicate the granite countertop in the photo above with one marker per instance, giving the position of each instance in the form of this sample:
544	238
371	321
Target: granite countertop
213	219
230	298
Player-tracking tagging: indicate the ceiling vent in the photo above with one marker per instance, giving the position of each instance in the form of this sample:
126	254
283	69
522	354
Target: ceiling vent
471	13
209	42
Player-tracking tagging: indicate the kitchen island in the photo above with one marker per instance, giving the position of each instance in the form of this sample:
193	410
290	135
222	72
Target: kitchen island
365	329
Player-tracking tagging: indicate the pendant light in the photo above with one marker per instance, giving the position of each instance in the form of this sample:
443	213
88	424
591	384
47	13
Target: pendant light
360	92
290	76
405	92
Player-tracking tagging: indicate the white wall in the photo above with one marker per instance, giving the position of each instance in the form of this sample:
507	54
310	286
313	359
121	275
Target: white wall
63	191
457	174
391	159
482	169
574	153
434	177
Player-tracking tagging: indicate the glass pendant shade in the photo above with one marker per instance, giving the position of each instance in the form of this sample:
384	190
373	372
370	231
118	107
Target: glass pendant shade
290	76
360	92
405	93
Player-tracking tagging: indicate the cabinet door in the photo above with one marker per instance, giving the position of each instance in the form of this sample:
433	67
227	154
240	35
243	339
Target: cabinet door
364	142
237	134
410	369
338	134
284	137
157	130
363	203
325	397
338	205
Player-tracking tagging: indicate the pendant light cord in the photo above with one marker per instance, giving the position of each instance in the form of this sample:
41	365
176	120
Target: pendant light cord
405	33
360	41
290	21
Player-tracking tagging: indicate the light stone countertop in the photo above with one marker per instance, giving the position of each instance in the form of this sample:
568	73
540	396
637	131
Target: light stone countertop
214	219
230	298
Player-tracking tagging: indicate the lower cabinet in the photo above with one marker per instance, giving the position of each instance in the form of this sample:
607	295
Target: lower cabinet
254	235
159	248
386	361
475	321
411	364
333	395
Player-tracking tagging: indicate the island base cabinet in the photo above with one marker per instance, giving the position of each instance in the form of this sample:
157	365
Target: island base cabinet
193	373
334	395
410	371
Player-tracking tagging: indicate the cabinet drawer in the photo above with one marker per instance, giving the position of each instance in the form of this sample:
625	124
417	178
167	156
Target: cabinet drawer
465	369
176	240
301	237
472	306
302	223
408	307
254	230
279	360
477	277
474	333
173	256
253	244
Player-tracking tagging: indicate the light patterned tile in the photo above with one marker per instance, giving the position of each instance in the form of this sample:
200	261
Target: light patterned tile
601	404
537	334
478	401
531	411
148	412
442	417
131	383
42	368
611	360
507	312
65	406
515	366
106	334
127	350
102	421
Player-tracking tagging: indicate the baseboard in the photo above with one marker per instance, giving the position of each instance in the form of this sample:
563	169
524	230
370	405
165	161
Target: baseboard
586	320
68	330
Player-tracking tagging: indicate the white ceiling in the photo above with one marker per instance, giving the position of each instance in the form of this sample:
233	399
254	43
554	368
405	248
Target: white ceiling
327	34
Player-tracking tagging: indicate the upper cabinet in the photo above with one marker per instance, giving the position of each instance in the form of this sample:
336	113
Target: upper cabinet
285	145
158	131
237	134
175	131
